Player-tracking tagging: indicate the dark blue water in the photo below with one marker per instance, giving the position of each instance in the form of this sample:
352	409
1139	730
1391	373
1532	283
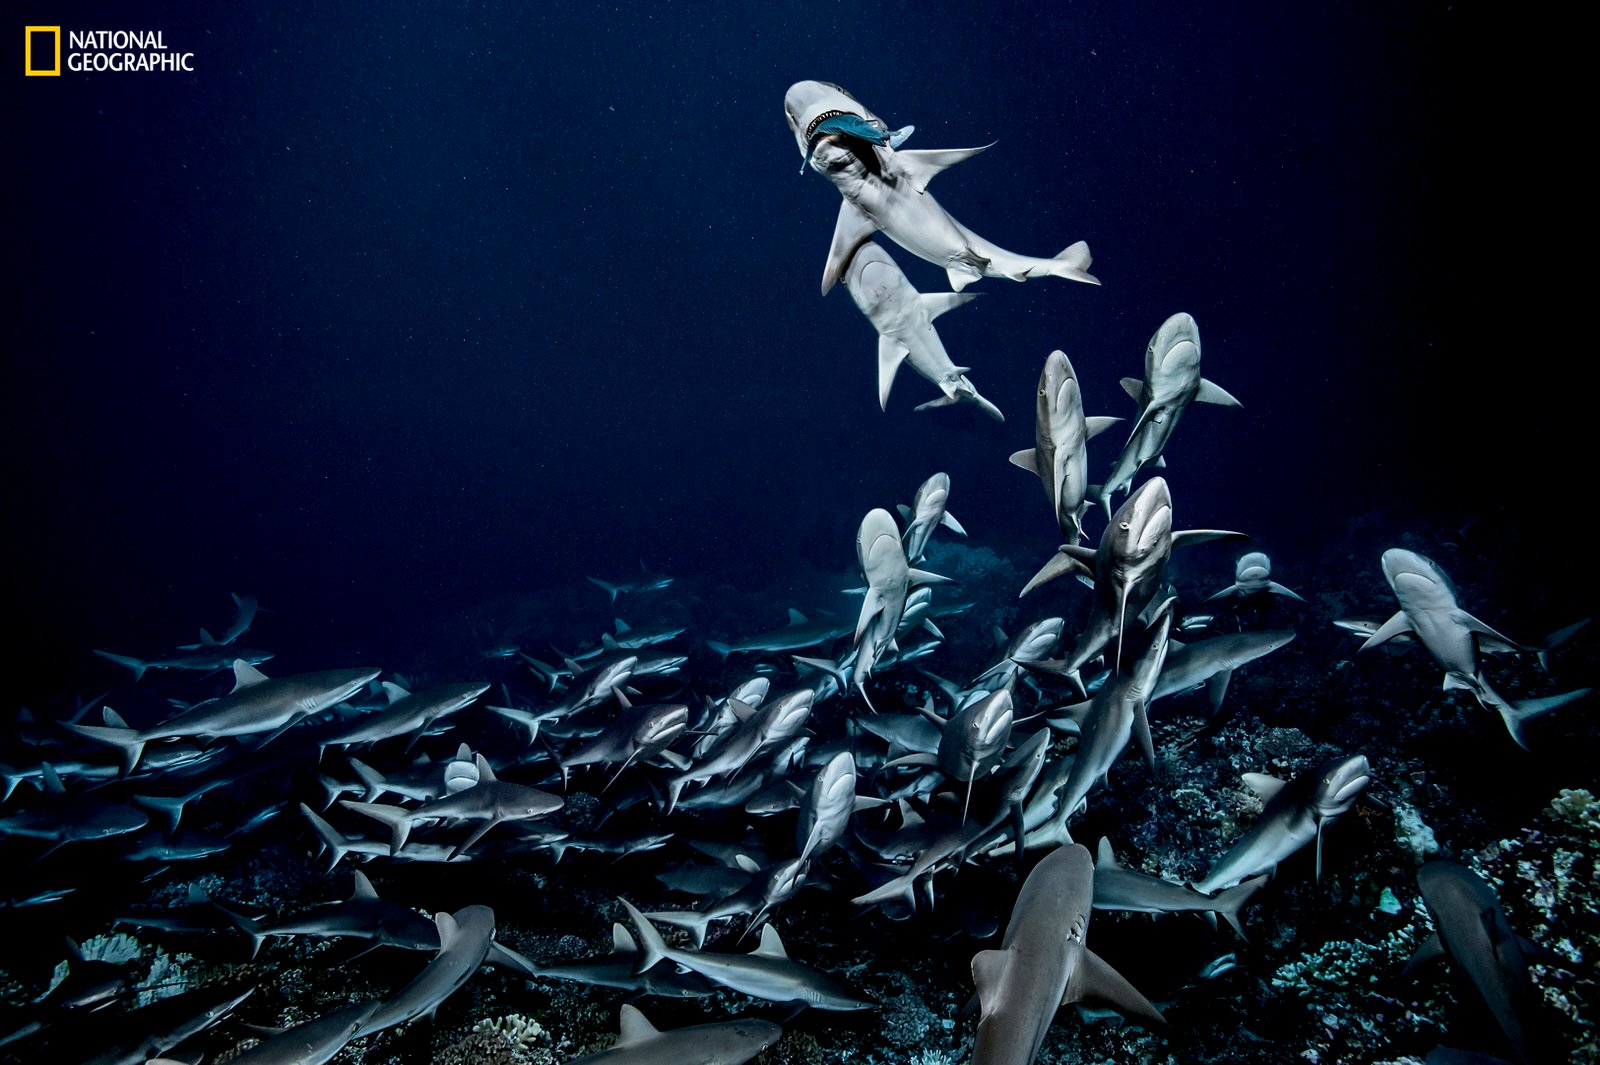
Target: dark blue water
379	314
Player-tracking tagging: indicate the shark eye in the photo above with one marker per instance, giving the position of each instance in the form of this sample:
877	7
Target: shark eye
1124	525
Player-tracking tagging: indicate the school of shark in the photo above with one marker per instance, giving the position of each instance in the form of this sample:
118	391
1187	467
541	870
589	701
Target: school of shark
878	832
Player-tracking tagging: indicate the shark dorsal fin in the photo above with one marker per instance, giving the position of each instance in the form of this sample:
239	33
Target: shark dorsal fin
74	952
1263	784
609	642
633	1027
741	709
51	780
988	969
621	941
364	889
112	718
206	639
245	675
1105	857
921	166
796	618
622	626
449	931
393	692
771	944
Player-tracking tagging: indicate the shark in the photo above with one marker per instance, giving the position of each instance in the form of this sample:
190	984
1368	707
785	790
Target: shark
618	969
720	1043
1295	814
314	1042
256	705
638	735
928	511
889	578
1128	890
886	189
488	802
1475	935
800	633
1060	453
1210	663
464	940
1171	383
206	657
1252	575
1044	962
766	973
645	582
903	319
408	713
1128	567
1431	612
1111	717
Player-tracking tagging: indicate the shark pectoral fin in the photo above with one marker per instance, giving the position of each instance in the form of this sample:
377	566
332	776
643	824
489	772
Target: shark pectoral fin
1093	427
1135	389
850	231
922	576
921	166
1216	689
937	303
1278	589
949	522
891	353
942	401
1432	950
1141	729
1059	563
1264	785
988	971
1211	392
1093	978
1027	459
1481	629
1189	537
871	607
1395	626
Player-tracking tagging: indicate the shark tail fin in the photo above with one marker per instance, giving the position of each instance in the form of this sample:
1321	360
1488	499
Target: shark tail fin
1230	902
693	920
125	739
652	948
134	664
336	845
1073	264
1519	712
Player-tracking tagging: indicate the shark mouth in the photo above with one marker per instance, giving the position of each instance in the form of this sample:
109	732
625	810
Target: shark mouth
811	127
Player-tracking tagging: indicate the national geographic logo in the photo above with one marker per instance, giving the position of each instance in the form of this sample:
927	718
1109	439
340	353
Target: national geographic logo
100	51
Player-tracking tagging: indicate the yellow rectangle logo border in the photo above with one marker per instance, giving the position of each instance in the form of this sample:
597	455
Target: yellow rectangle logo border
27	51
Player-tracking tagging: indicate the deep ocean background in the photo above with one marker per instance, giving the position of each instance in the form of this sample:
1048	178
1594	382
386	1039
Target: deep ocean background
384	313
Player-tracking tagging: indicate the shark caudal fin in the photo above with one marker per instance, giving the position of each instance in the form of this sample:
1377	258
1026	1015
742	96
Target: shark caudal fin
1230	902
127	740
137	665
1517	713
337	846
1072	263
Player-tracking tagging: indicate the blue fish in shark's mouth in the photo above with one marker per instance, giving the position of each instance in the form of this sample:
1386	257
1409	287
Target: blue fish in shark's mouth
844	124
